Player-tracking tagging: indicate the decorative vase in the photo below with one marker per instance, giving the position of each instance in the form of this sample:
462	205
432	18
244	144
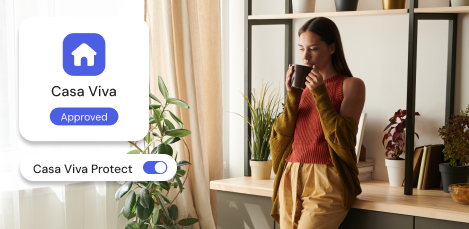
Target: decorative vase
303	6
393	4
346	5
261	170
459	3
453	175
396	171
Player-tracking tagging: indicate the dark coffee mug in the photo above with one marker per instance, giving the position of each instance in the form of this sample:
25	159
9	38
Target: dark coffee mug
300	72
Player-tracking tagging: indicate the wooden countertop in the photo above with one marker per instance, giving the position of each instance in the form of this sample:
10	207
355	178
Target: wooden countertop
376	196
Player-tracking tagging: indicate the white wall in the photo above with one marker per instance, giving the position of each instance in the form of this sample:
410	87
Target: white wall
376	51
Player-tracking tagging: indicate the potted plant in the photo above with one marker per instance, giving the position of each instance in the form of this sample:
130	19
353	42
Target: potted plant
455	136
264	111
459	3
395	147
346	5
150	206
393	4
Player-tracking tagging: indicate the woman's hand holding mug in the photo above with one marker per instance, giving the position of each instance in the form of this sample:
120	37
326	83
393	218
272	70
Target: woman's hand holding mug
314	79
288	82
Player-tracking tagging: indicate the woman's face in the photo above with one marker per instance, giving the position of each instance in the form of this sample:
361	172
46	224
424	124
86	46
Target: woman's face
314	51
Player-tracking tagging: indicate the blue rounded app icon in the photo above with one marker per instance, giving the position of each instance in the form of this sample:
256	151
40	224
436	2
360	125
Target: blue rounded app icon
84	54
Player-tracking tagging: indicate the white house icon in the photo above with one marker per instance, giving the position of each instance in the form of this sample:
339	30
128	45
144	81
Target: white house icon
84	51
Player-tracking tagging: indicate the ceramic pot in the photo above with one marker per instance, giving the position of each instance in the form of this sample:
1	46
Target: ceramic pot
303	6
453	174
393	4
396	171
260	170
346	5
459	3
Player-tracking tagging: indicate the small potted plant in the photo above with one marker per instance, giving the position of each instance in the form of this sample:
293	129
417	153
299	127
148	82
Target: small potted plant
264	111
455	136
395	147
346	5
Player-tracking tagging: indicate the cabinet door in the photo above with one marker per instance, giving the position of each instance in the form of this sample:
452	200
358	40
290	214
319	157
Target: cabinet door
427	223
237	211
364	219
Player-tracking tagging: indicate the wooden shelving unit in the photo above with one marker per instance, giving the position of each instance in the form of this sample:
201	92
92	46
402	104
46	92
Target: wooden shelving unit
415	14
329	14
458	9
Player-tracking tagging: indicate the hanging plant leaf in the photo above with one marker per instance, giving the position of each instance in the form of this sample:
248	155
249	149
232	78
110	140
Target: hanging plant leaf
132	225
145	198
123	190
178	133
129	204
142	212
154	98
133	152
153	106
176	119
181	163
178	102
172	140
173	212
188	221
163	148
162	87
169	124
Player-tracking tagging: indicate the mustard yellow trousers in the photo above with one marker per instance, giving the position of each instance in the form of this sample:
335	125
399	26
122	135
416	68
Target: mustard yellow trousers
310	197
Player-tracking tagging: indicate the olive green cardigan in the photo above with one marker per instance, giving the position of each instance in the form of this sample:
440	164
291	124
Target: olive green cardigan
340	133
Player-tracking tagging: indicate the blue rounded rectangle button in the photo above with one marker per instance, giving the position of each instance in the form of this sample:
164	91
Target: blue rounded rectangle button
84	116
155	167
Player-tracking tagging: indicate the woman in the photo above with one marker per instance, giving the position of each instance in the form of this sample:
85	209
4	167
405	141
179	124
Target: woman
313	141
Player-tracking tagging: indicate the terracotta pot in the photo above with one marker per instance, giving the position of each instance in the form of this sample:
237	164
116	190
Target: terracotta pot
396	171
260	170
393	4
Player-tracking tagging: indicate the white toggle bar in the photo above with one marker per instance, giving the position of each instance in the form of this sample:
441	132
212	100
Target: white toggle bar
129	167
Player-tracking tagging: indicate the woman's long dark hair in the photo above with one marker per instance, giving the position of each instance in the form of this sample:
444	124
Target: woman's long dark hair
329	33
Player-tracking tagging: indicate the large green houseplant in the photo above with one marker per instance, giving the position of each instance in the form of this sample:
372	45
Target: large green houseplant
264	111
455	135
150	207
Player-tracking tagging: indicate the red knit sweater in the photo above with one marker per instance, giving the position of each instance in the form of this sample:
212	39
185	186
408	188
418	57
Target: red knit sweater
310	145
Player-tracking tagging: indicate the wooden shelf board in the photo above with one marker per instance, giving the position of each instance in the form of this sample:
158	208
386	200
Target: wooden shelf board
456	9
328	14
376	196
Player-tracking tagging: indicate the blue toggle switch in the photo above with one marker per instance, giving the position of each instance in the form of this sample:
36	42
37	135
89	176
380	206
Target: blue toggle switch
155	167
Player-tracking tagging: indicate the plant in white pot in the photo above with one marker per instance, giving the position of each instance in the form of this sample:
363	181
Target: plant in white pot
264	111
395	147
456	140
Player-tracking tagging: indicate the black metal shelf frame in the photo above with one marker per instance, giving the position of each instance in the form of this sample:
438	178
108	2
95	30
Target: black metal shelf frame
411	78
411	71
247	63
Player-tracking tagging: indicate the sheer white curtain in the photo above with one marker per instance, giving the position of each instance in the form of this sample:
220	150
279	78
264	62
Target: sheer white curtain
24	204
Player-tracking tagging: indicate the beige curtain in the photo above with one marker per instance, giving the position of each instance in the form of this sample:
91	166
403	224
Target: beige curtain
186	52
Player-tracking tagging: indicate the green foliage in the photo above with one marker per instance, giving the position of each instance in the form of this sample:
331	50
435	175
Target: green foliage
264	111
456	139
151	208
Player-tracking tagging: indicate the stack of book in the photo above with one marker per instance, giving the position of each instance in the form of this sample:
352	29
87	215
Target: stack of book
426	174
366	169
